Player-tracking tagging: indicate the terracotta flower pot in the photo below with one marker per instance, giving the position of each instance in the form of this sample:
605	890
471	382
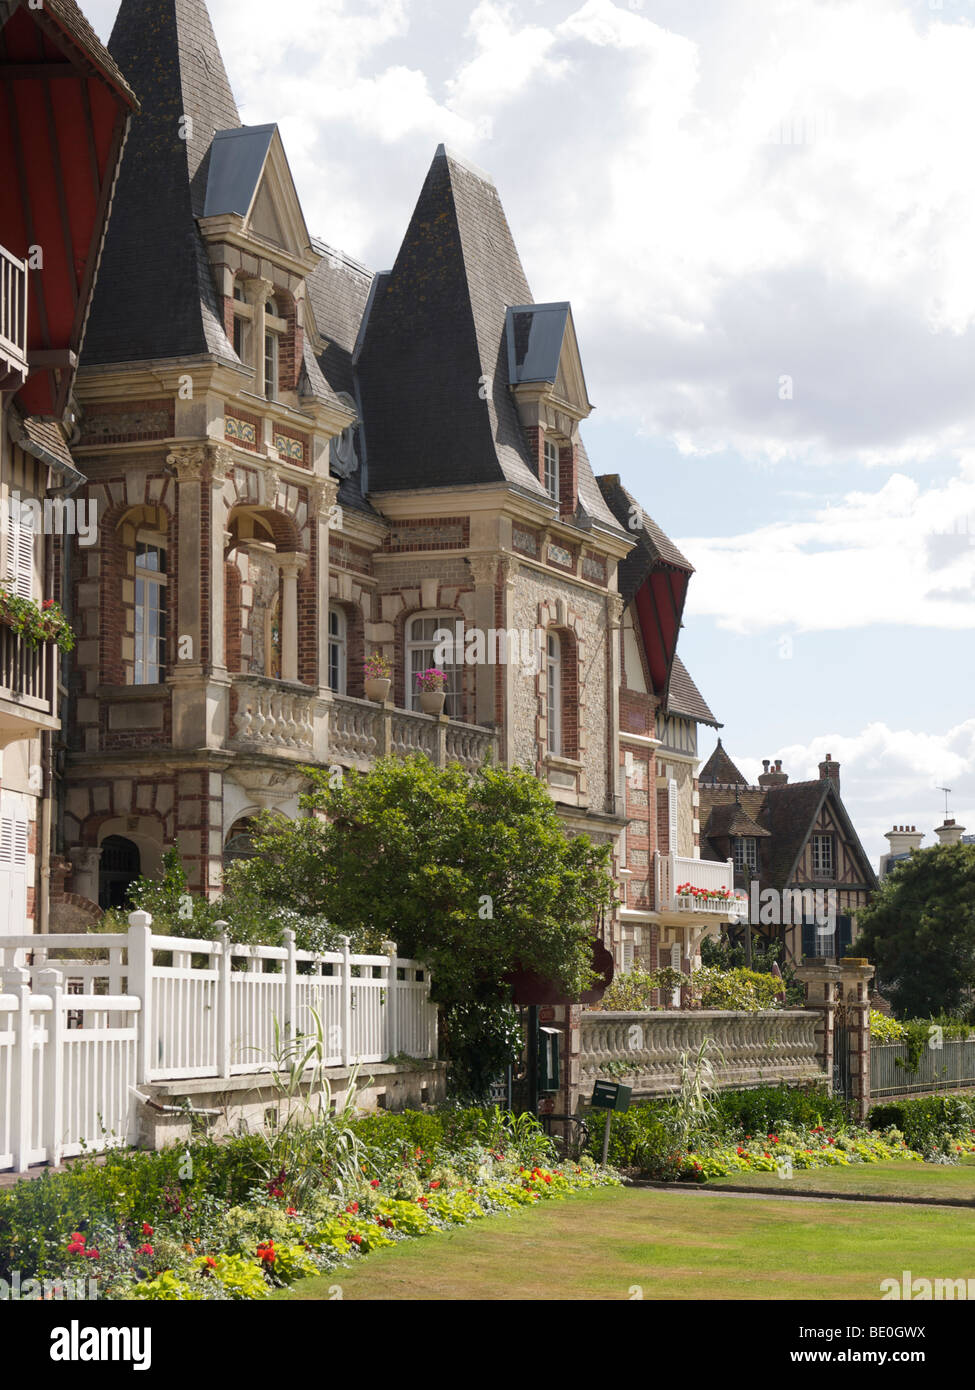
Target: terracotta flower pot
432	701
377	688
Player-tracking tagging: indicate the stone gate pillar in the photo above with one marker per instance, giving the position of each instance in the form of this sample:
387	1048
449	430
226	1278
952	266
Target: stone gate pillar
855	974
821	978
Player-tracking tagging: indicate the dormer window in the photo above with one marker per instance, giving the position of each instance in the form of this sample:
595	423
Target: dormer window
550	469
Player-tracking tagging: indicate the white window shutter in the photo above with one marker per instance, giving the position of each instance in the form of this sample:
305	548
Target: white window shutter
20	557
13	875
672	814
627	957
675	961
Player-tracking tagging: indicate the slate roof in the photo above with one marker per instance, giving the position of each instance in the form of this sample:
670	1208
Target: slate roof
155	296
720	768
732	819
72	22
236	163
434	340
653	547
684	698
338	291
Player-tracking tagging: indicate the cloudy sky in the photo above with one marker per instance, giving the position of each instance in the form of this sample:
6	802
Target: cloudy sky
763	212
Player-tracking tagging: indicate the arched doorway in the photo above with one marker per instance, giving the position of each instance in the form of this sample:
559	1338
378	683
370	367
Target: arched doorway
121	865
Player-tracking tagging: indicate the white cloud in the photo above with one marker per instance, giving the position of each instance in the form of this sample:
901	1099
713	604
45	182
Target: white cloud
900	555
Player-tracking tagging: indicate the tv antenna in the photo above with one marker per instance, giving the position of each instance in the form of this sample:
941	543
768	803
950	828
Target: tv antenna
947	792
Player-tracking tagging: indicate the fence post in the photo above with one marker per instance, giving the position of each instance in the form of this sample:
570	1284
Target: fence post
432	1015
291	987
820	978
855	975
346	1001
223	999
16	980
392	992
51	983
140	984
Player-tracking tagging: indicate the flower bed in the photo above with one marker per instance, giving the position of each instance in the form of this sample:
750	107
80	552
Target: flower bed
207	1223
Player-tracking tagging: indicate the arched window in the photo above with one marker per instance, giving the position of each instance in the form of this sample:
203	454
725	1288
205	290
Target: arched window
120	866
337	651
421	654
272	349
150	608
553	672
240	842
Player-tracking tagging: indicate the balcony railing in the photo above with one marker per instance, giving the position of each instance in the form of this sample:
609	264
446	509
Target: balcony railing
26	673
361	731
710	875
275	717
13	322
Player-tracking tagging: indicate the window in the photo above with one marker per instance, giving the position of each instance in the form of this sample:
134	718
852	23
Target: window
675	964
14	841
420	656
239	329
627	954
745	853
551	469
554	688
150	611
239	292
336	651
822	856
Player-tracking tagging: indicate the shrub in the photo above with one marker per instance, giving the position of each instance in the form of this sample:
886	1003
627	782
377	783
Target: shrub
743	990
765	1109
925	1121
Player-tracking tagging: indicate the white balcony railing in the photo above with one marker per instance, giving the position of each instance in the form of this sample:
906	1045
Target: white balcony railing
13	321
673	871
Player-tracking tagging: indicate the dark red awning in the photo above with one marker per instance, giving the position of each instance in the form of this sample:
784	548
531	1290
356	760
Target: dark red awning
64	109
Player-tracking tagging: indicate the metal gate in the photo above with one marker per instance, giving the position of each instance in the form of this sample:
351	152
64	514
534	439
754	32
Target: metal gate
841	1063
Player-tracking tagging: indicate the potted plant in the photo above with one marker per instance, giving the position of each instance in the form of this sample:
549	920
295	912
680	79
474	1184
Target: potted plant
36	623
431	684
377	677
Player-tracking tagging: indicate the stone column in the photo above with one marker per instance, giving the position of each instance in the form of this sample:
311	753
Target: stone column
322	496
258	292
221	465
189	463
821	978
484	569
614	617
855	974
291	566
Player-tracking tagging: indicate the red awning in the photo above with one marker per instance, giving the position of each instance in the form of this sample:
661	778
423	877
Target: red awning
64	109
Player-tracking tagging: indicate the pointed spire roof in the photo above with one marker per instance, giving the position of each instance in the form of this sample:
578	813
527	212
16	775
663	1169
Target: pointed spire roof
719	768
433	360
155	295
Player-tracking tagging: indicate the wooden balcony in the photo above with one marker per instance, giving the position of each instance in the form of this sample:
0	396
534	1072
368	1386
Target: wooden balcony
28	687
13	322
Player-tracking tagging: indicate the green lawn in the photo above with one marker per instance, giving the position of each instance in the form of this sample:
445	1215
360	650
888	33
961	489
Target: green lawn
893	1179
666	1245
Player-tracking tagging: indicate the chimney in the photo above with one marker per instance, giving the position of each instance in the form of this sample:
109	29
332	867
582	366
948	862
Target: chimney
949	833
775	778
903	838
830	772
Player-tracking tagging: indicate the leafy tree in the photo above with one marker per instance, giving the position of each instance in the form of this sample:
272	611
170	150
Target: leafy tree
919	931
474	875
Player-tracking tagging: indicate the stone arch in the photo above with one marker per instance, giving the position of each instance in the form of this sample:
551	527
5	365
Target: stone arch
119	532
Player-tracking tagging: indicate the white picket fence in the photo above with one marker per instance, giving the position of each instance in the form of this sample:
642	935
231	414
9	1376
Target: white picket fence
77	1036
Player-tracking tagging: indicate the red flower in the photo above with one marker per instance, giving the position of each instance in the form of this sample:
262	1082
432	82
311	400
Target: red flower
211	1262
353	1207
291	1211
547	1177
91	1254
435	1184
77	1246
374	1183
146	1229
353	1239
266	1253
144	1250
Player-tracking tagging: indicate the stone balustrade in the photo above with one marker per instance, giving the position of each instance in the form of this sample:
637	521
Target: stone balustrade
273	716
745	1049
361	731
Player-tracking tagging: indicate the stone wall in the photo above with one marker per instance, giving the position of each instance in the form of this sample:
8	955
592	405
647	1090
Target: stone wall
746	1049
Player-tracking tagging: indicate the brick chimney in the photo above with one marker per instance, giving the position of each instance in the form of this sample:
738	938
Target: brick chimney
903	838
949	833
830	772
775	778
